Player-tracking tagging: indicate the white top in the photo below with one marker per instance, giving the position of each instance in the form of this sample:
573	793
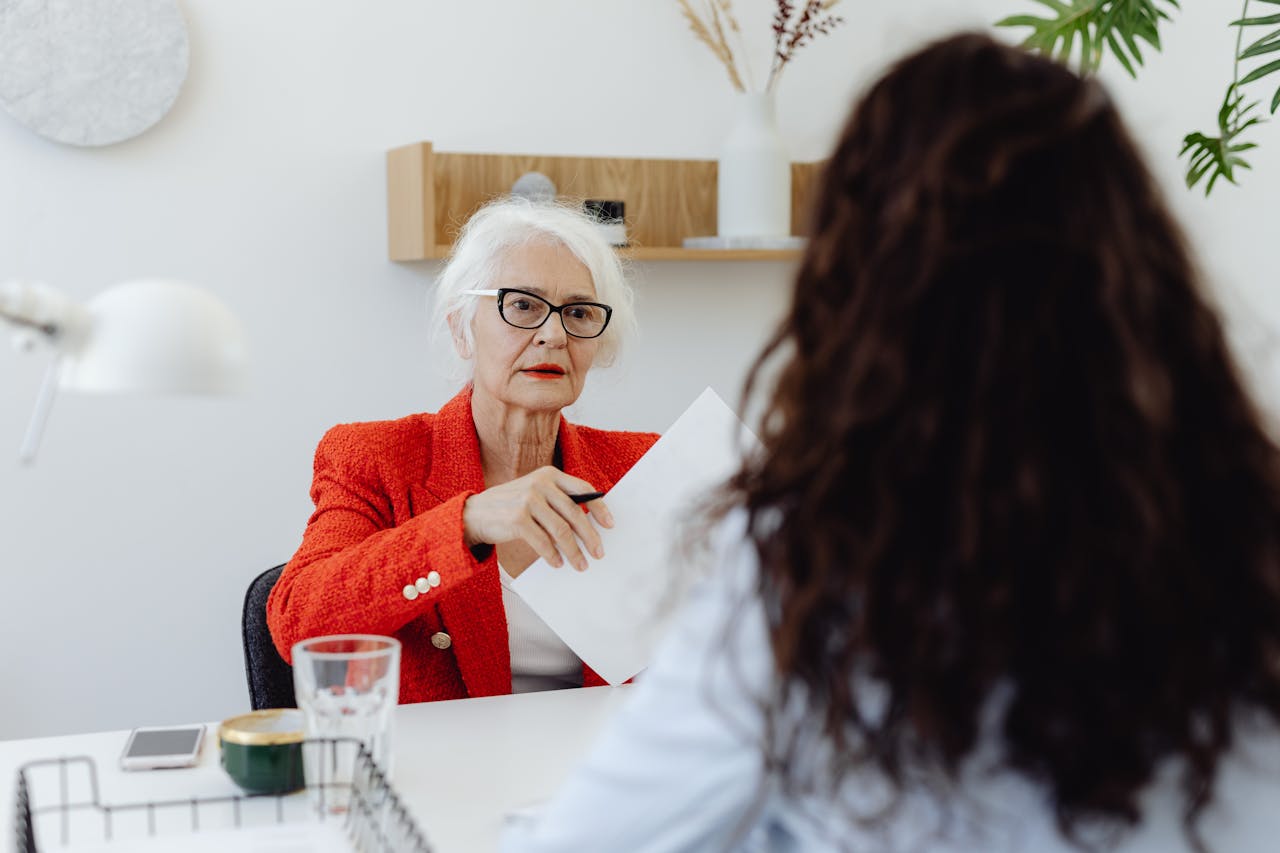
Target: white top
540	660
678	768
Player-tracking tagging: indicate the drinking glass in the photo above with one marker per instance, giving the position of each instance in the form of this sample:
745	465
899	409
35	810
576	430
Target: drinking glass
347	687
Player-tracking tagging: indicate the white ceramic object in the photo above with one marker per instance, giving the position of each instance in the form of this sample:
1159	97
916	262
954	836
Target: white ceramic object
160	337
754	185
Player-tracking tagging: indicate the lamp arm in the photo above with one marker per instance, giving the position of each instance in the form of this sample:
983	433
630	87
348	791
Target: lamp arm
65	323
40	416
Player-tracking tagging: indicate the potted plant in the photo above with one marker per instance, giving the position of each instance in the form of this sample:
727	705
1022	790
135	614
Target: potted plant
1082	32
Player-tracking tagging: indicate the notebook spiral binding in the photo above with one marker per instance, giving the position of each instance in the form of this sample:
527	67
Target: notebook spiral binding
374	821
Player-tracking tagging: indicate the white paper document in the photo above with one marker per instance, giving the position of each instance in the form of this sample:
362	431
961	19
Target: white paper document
612	614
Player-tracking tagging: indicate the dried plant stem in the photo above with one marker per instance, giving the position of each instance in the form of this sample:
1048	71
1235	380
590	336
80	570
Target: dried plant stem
795	24
713	37
791	32
726	9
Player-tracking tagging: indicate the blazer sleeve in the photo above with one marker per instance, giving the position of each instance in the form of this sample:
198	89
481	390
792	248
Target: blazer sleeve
679	767
350	573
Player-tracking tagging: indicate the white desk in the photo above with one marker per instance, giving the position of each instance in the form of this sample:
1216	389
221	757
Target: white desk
460	766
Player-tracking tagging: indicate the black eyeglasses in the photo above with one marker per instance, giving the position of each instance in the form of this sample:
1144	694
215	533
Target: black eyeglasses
526	310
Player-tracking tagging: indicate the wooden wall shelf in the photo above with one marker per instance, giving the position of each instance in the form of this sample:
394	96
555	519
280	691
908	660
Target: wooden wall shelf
430	194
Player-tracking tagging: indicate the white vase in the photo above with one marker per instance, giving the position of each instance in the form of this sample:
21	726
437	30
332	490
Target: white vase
754	185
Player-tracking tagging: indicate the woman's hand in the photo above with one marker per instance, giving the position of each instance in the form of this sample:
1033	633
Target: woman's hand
537	508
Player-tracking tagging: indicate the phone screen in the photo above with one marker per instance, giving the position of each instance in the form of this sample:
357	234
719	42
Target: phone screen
165	742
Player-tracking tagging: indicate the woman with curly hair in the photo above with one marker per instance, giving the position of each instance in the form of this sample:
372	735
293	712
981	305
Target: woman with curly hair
1006	574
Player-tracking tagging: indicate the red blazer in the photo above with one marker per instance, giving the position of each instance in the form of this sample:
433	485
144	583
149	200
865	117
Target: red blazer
388	497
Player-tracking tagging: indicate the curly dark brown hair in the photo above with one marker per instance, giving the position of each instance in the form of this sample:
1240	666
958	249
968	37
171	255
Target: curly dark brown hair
1008	445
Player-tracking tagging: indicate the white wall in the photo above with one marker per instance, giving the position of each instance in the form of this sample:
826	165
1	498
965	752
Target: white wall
124	553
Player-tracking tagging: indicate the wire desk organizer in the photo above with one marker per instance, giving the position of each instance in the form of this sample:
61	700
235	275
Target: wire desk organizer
358	798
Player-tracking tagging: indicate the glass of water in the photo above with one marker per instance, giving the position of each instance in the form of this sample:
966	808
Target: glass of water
347	687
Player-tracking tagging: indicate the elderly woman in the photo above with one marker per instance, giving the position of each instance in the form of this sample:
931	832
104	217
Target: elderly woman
420	523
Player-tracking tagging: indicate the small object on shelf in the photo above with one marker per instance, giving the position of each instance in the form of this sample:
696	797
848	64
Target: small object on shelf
609	214
741	243
536	187
262	750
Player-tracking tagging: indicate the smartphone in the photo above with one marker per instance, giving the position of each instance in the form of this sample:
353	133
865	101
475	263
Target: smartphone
169	746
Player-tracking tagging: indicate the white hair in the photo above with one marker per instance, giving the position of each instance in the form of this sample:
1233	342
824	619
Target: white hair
505	224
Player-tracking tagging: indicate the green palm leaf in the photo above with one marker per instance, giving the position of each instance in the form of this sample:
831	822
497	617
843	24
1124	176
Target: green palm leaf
1219	156
1129	21
1267	44
1081	32
1118	25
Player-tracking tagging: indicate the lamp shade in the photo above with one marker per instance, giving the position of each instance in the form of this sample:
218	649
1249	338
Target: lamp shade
156	336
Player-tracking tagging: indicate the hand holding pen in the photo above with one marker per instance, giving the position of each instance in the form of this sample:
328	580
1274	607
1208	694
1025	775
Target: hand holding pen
544	509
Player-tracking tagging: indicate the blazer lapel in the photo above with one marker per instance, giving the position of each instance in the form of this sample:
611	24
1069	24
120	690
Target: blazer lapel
576	458
472	613
455	450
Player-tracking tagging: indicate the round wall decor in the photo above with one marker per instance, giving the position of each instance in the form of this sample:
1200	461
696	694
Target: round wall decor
91	73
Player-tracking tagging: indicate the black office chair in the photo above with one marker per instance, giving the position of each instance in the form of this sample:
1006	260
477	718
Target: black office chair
270	678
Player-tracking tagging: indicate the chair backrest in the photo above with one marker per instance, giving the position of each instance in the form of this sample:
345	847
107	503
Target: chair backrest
270	678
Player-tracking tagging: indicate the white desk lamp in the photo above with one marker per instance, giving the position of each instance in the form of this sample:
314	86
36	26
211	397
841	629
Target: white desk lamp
142	336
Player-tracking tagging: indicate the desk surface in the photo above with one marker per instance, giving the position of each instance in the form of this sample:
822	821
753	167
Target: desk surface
460	766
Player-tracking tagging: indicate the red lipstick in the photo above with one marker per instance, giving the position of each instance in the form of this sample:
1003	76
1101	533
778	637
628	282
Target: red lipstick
544	371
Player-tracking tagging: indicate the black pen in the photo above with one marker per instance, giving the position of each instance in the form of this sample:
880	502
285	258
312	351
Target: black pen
589	496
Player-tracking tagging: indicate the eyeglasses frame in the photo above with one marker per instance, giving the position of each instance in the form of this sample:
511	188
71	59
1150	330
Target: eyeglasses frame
501	294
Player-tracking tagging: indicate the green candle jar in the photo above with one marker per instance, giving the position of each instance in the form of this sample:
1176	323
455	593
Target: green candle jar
262	750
